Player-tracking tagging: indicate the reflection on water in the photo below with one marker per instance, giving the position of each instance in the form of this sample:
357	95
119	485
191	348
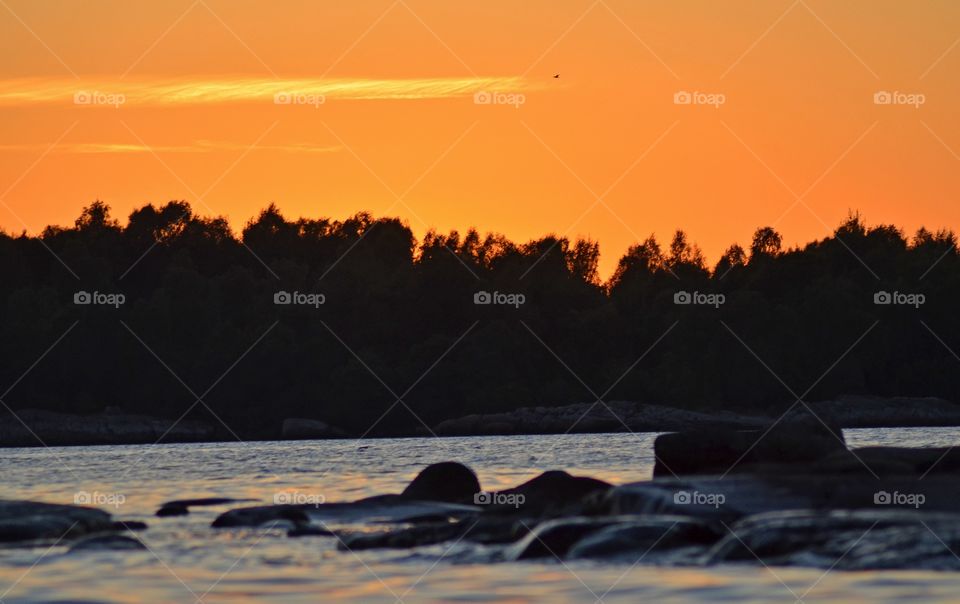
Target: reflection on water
187	560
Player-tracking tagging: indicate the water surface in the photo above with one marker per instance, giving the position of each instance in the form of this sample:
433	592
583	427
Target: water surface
188	561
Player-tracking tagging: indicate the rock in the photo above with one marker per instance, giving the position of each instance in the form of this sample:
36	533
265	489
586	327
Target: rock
405	538
298	428
794	439
447	481
845	540
734	497
256	516
553	538
893	461
181	507
381	509
629	540
486	530
553	491
173	510
310	531
129	525
30	521
107	543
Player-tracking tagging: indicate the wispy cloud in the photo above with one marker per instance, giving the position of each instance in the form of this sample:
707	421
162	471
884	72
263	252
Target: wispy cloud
201	146
160	92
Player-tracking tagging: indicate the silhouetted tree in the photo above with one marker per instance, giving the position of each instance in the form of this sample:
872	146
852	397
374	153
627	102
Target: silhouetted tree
402	317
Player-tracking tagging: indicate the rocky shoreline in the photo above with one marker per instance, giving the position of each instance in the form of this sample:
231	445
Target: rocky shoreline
36	427
785	494
623	416
32	427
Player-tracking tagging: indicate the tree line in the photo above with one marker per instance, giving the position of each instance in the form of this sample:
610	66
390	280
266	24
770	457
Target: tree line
340	320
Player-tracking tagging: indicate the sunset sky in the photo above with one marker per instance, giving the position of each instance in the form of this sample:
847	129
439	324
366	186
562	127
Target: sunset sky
137	102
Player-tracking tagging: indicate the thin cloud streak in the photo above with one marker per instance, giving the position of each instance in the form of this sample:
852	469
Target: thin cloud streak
161	92
201	146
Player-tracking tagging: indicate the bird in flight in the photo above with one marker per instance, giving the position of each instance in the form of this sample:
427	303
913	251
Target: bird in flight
556	75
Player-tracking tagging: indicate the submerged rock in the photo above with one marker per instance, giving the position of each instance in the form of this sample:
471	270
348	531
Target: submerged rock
107	543
483	529
385	509
31	521
181	507
256	516
173	510
310	531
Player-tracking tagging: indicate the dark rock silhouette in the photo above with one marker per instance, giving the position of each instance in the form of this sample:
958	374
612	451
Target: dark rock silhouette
847	540
181	507
795	438
22	521
447	481
554	491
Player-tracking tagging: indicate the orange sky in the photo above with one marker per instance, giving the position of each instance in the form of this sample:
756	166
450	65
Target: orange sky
198	79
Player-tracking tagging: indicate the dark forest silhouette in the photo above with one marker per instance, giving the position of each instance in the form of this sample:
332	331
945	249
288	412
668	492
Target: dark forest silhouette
396	309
